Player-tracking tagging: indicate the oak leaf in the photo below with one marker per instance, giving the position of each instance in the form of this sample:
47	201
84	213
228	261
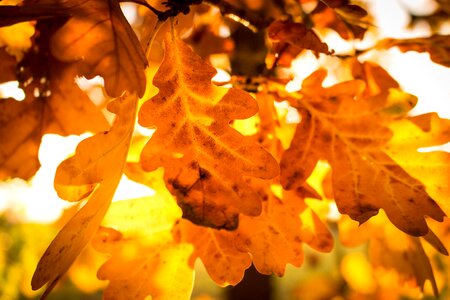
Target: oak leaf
97	37
276	237
430	167
53	104
437	45
90	167
391	249
296	35
145	260
350	131
205	160
340	15
223	261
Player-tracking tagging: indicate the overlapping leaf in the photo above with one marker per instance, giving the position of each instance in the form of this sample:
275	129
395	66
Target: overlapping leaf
53	104
145	260
204	158
430	167
97	36
296	35
391	249
349	131
271	240
90	167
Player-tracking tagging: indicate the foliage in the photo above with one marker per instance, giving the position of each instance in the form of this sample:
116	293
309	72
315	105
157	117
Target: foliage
236	183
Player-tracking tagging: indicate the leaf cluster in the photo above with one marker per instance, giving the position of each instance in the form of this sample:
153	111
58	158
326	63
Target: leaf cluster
235	181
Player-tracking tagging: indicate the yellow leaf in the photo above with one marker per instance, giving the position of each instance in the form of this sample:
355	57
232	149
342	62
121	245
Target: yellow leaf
90	157
145	260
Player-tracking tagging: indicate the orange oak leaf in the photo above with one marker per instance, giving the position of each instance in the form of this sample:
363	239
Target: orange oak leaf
296	35
378	81
271	240
345	18
350	131
438	46
97	37
391	249
205	160
430	167
276	237
53	104
224	263
145	260
90	166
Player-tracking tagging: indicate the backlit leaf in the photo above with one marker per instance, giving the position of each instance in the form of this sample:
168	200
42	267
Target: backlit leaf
340	15
97	36
204	158
438	46
296	35
73	175
347	129
224	263
145	260
53	104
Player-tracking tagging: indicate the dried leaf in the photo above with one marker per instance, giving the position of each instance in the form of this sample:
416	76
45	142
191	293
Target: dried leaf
204	158
90	157
296	35
438	46
349	131
345	18
97	36
53	104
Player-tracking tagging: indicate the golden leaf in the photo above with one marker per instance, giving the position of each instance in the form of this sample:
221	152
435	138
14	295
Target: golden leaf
145	260
88	167
347	129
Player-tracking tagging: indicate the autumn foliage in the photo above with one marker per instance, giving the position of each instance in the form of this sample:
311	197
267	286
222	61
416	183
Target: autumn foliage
236	183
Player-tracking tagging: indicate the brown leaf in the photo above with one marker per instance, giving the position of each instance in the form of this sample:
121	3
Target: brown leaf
438	46
349	131
88	167
9	63
204	158
297	35
53	104
97	36
345	18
